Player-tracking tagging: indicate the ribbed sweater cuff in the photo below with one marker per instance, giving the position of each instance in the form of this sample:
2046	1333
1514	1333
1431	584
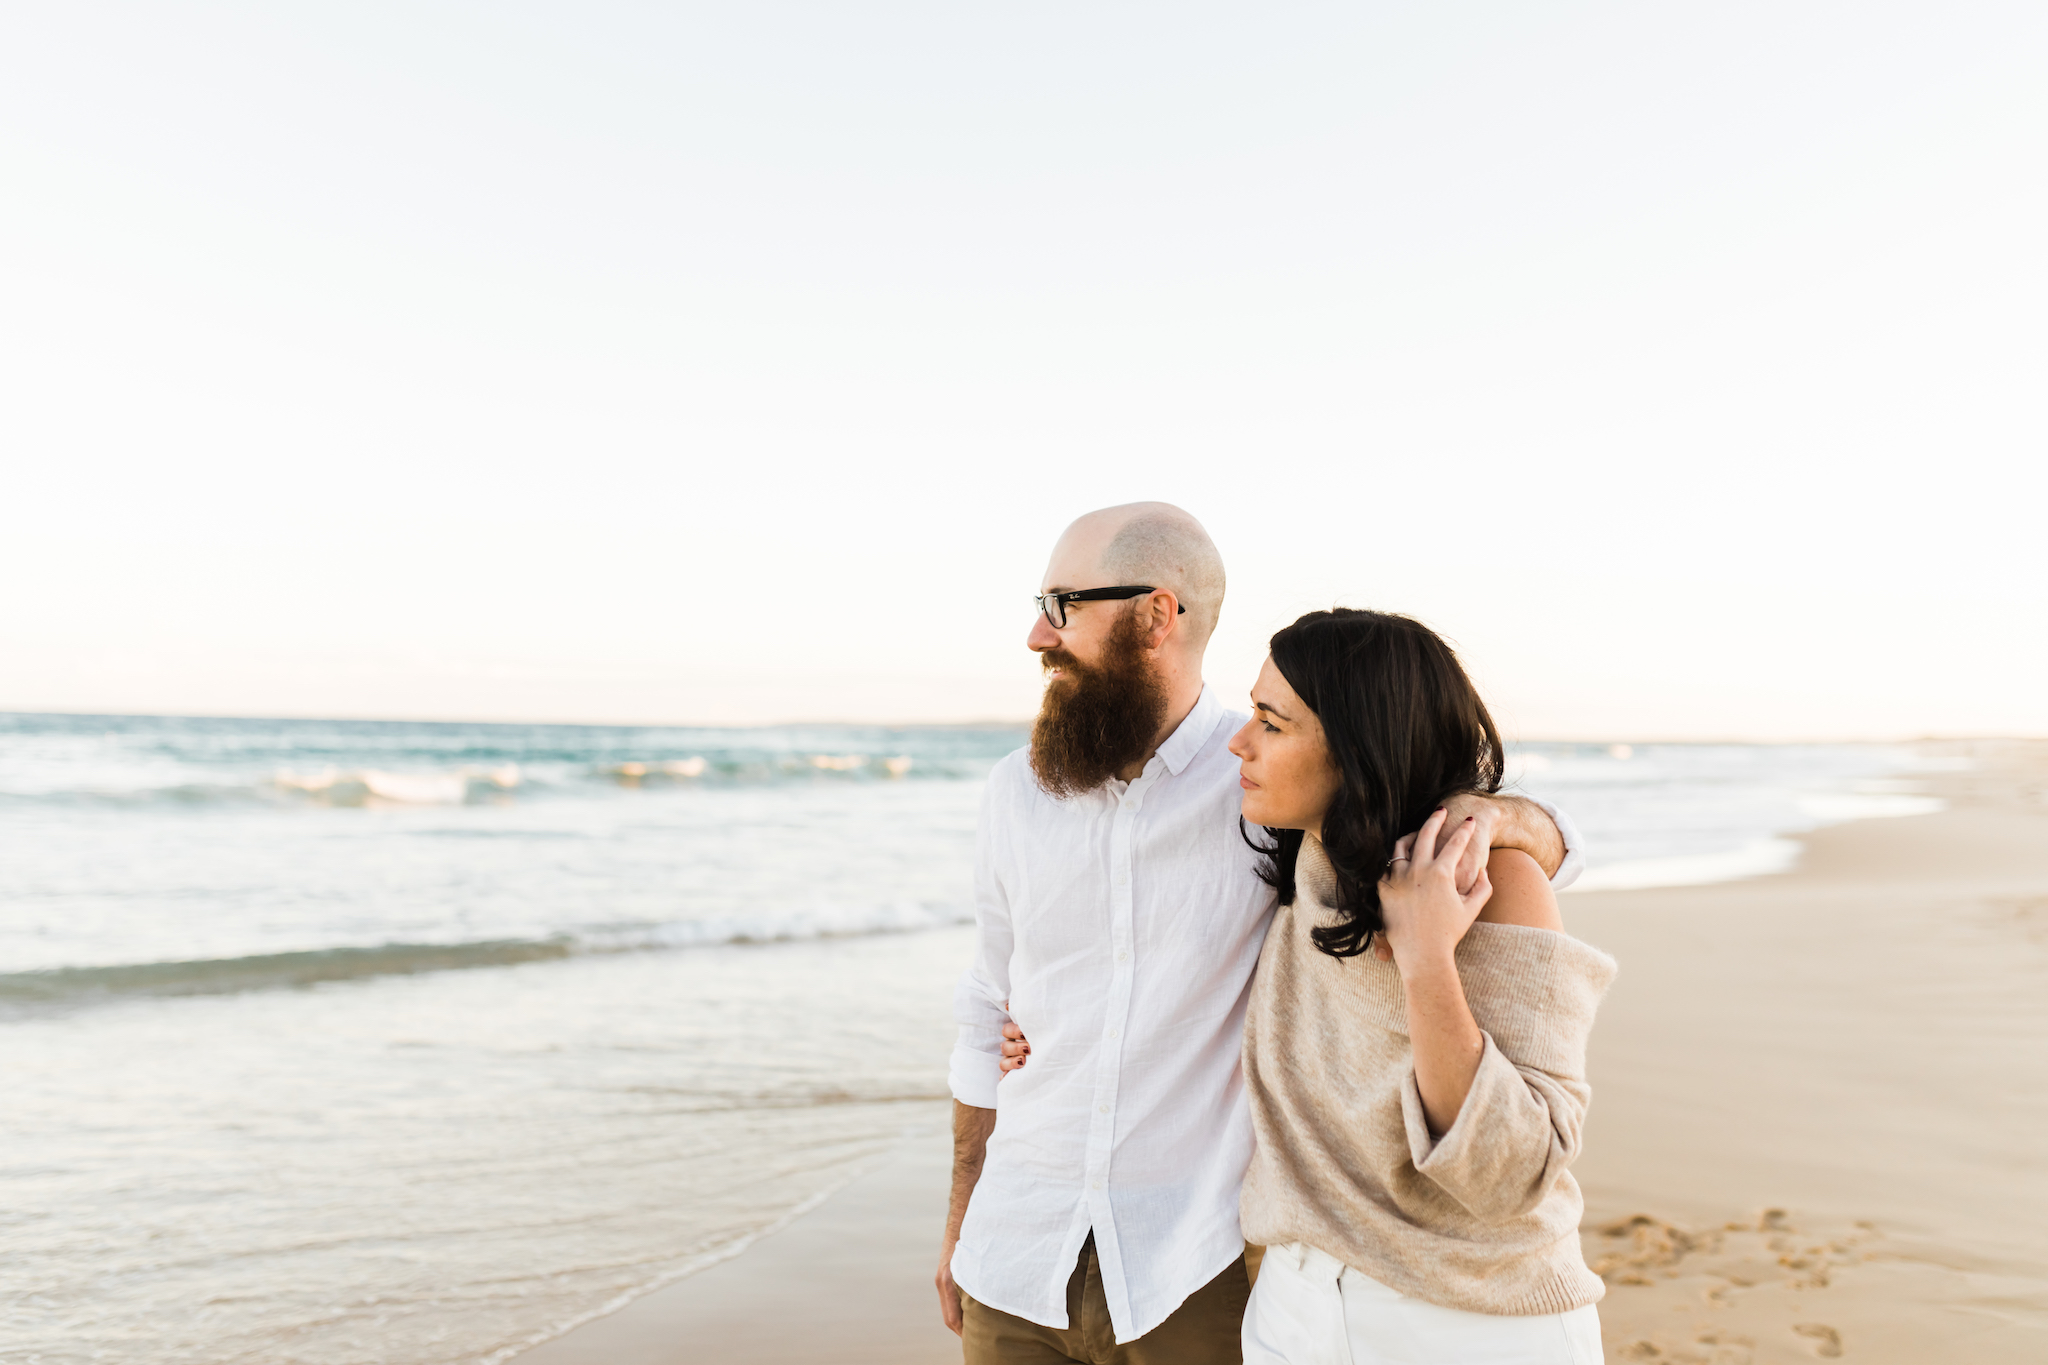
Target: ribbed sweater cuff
1561	1291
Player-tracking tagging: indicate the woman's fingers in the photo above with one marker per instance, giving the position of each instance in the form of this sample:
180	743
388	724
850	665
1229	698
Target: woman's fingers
1482	891
1399	864
1422	846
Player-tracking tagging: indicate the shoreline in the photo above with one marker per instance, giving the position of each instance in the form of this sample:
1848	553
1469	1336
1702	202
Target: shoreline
1810	1136
848	1280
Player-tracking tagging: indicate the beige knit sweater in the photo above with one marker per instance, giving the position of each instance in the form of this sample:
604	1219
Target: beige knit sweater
1484	1218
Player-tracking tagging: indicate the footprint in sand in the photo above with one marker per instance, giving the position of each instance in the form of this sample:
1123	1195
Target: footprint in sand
1827	1341
1732	1281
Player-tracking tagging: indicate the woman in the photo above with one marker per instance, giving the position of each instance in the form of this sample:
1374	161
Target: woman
1414	1057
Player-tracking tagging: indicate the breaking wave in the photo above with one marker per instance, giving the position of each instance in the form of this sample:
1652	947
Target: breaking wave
369	786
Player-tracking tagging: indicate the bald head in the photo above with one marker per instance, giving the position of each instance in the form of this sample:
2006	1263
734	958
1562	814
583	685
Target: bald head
1154	543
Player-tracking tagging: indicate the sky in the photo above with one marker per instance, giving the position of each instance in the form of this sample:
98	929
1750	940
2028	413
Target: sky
740	363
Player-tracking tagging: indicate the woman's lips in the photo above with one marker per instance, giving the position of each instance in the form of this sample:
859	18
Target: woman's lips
1247	783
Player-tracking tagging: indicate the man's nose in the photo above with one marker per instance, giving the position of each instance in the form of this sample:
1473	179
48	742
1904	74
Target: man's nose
1042	636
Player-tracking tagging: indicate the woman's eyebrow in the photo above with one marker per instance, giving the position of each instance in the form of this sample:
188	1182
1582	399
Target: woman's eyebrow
1271	710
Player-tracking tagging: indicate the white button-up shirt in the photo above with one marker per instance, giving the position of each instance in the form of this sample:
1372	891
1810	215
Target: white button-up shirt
1120	929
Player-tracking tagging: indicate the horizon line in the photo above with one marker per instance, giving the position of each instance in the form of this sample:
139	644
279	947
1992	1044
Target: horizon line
985	723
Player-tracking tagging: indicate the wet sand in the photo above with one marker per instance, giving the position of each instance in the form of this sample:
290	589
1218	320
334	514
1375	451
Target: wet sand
850	1282
1820	1126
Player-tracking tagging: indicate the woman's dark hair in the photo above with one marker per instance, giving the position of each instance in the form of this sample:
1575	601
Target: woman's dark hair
1406	730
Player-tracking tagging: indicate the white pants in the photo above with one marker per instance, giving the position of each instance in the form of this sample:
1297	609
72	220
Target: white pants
1308	1308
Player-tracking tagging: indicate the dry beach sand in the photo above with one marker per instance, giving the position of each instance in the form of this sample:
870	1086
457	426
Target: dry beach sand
1820	1116
1820	1126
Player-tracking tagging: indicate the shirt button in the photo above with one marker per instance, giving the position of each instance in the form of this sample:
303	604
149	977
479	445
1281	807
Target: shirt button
1103	1108
1123	957
1112	1033
1095	1184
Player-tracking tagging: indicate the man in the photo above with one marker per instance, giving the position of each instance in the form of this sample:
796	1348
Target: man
1120	922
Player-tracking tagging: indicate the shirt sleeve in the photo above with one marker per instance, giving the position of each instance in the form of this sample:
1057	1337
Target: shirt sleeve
1517	1132
1574	846
981	1000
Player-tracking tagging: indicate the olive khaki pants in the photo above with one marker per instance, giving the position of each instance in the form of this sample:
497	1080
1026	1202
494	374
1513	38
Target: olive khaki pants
1206	1330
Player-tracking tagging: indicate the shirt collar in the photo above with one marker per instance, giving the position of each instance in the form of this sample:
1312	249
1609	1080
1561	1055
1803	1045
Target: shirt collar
1188	737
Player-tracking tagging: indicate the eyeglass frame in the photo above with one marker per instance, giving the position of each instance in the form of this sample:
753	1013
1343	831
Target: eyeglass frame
1048	600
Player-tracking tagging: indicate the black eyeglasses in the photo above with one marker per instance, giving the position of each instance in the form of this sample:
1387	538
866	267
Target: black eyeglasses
1054	604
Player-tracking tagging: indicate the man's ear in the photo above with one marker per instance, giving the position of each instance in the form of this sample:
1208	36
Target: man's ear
1165	610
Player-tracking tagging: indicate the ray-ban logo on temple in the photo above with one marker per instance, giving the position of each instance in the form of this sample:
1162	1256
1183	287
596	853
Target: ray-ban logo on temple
1054	604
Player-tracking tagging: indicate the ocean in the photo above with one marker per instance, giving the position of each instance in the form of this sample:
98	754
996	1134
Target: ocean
353	1041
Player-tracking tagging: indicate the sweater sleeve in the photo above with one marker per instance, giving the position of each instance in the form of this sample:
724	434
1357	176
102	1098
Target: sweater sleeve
980	1001
1519	1129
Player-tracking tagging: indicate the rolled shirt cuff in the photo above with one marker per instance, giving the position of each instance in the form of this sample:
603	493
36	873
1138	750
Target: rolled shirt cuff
1574	846
976	1066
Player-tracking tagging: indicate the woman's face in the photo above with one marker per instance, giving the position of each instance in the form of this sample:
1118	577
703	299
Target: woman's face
1283	764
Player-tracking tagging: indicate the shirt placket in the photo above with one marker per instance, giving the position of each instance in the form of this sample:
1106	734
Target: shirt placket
1116	1012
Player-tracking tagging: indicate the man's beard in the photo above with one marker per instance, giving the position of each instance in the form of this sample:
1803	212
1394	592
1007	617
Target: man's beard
1097	721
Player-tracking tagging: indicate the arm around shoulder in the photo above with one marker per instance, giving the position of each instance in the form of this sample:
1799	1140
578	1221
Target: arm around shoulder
1526	825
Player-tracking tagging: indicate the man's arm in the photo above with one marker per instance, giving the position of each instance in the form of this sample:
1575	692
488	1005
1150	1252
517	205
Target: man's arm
1504	822
971	1127
981	1009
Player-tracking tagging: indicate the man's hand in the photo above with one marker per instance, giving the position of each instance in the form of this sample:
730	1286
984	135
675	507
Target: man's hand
1016	1047
1484	815
949	1294
1500	822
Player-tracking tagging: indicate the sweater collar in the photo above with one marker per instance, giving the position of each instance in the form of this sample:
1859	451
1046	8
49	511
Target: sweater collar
1314	873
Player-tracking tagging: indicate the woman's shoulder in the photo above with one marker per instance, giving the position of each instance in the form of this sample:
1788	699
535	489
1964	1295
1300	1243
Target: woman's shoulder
1522	894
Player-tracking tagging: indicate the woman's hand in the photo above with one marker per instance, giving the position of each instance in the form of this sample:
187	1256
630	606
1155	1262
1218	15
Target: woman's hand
1016	1047
1425	916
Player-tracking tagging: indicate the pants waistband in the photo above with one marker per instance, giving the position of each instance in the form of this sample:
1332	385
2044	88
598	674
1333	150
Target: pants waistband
1319	1266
